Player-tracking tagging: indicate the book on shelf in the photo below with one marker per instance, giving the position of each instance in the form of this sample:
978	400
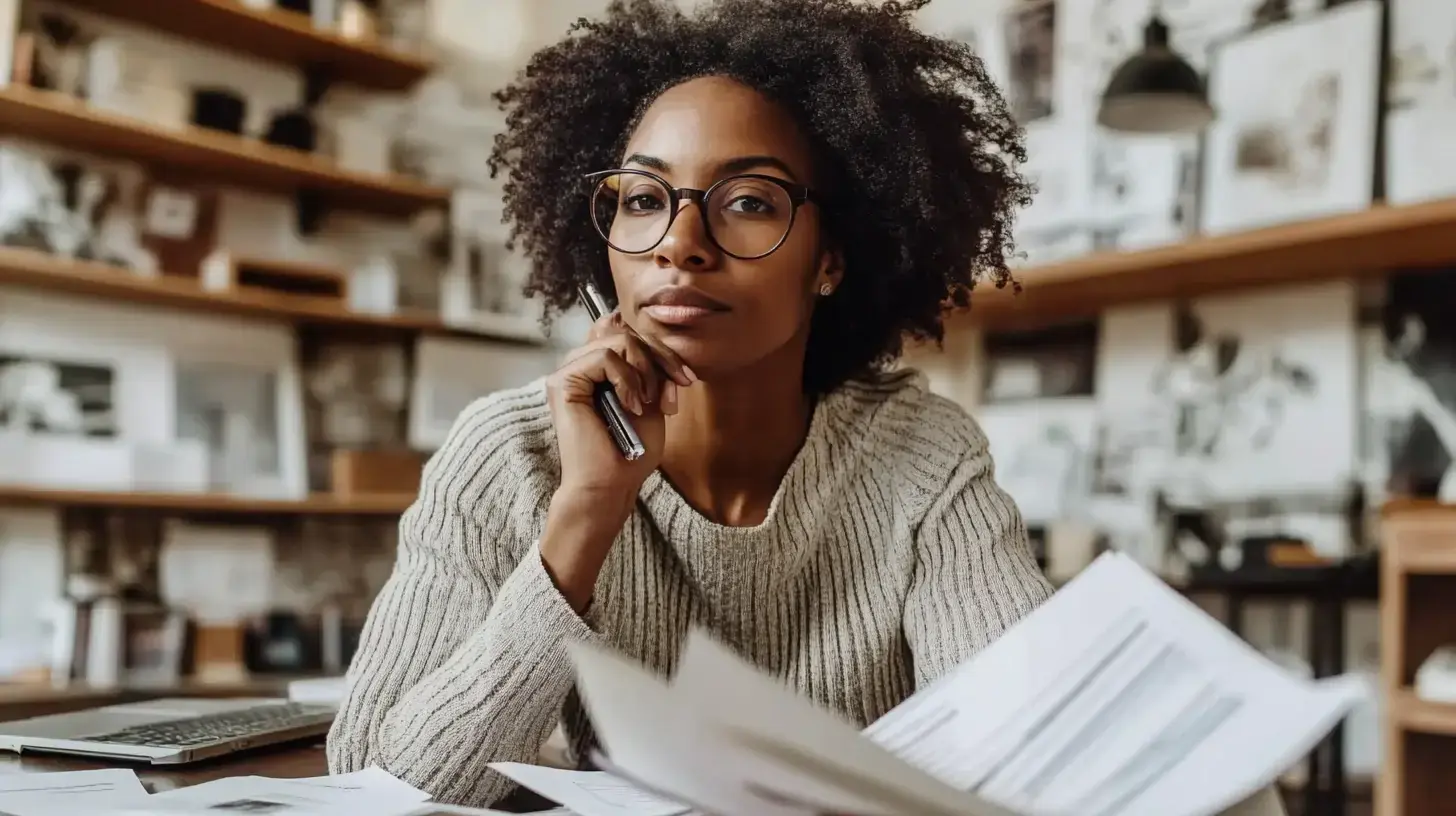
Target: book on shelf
1117	696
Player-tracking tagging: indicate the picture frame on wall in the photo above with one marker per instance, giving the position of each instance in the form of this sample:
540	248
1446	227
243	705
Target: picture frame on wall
1420	112
1295	136
483	288
245	405
451	374
59	425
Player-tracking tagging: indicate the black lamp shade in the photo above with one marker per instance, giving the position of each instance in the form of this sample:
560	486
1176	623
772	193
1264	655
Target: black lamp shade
1155	92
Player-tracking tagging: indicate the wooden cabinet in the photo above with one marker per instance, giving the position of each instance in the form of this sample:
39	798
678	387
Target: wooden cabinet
1418	614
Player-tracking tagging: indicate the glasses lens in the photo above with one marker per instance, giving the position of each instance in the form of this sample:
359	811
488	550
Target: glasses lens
749	216
631	211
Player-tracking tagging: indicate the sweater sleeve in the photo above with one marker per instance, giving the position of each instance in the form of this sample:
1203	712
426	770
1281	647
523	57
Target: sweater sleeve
462	660
975	575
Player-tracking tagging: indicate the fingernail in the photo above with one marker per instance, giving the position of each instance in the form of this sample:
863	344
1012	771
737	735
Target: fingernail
669	398
692	378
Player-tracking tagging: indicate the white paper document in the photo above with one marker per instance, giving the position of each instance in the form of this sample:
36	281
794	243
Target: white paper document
1118	697
370	792
590	793
45	794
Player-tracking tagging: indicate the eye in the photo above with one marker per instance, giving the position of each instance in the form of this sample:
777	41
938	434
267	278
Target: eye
642	201
750	205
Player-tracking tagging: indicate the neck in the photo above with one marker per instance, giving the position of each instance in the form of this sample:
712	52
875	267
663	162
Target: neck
734	438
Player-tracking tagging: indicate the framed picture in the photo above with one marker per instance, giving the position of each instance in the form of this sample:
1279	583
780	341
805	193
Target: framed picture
1043	452
1031	33
68	397
1252	396
451	374
245	406
1297	121
1420	110
1410	388
1057	226
483	288
74	207
59	423
1058	361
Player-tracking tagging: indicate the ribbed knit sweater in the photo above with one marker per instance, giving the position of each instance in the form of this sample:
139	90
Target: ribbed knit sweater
888	556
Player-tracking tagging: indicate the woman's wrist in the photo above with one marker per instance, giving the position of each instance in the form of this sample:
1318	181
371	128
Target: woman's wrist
580	529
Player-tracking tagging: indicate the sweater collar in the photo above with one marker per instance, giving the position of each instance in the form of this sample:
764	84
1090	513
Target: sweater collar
807	498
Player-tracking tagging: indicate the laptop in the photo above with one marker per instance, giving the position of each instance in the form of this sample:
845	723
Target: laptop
168	731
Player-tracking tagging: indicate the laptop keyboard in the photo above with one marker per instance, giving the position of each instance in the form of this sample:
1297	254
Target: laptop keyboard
210	728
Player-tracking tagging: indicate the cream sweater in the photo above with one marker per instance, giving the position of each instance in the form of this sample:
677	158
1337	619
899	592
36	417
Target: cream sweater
888	557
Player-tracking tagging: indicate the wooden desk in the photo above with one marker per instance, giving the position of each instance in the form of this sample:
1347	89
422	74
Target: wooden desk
290	762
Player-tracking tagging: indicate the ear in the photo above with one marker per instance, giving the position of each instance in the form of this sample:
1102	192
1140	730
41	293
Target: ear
831	270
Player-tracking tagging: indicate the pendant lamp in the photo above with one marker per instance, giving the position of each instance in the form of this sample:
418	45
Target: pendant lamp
1155	91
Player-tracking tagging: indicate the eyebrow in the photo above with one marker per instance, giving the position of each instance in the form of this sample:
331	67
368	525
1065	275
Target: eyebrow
741	164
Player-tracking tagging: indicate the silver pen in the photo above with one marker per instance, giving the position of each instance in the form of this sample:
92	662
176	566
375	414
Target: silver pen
608	404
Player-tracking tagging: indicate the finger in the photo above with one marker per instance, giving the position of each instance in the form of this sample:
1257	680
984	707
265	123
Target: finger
640	357
668	360
604	365
626	380
669	397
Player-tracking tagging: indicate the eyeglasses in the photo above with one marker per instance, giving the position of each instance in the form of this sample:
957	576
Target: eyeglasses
747	216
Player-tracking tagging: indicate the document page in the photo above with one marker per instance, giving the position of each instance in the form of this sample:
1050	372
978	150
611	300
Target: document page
371	792
68	791
1117	696
665	748
590	793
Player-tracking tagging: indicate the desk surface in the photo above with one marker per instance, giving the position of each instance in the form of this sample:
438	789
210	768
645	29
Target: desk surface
288	762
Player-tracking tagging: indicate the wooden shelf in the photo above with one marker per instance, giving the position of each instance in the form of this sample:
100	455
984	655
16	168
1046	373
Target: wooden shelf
38	270
1414	714
1425	529
275	35
208	504
1373	241
222	157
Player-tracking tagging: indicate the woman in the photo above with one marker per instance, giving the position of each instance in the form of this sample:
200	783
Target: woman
778	193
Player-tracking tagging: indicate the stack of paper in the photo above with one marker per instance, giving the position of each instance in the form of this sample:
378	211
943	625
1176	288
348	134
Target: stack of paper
1118	697
370	792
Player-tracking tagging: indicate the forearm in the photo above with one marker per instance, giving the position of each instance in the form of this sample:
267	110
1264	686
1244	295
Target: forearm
495	698
580	529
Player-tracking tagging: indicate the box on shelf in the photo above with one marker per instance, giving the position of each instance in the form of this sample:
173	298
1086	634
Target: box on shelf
376	472
223	271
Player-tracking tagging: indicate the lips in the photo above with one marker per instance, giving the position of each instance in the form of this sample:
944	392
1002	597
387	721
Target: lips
682	306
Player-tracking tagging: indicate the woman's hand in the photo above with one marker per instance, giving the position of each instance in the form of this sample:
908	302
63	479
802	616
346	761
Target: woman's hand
598	484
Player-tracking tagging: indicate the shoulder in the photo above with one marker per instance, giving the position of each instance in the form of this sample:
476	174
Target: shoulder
900	422
499	463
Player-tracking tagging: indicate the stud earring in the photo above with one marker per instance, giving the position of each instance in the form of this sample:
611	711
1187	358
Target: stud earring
826	290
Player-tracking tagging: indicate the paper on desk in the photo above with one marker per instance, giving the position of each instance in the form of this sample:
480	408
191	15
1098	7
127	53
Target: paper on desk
44	794
590	793
1116	696
370	792
661	747
838	770
809	761
375	782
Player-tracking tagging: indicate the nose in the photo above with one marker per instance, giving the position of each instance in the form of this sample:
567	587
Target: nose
686	245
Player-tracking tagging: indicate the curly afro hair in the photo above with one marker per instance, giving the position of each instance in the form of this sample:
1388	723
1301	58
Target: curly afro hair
916	148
